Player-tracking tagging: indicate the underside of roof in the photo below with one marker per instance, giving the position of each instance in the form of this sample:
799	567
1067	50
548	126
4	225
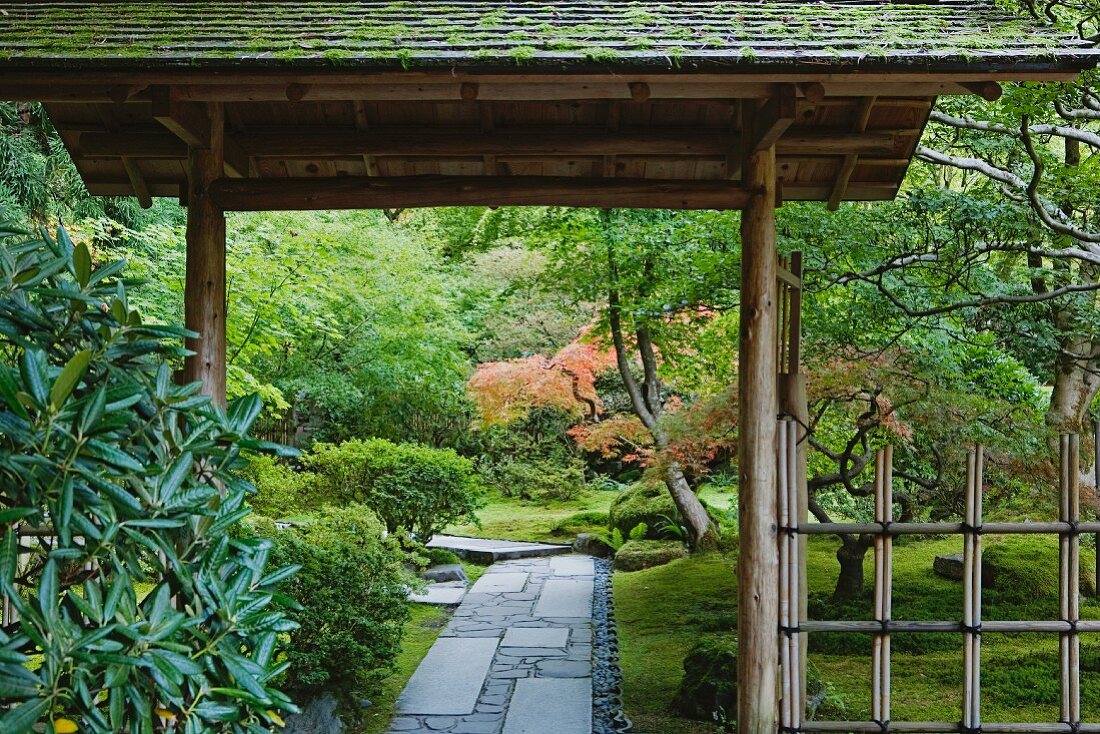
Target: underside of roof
936	34
377	104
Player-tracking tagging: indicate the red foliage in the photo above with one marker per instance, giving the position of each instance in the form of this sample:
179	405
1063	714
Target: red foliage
621	436
506	391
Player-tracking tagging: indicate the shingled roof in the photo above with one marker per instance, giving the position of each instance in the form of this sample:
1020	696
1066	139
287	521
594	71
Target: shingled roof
938	35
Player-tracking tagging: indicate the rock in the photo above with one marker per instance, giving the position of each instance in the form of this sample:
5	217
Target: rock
638	554
365	703
318	716
447	572
708	691
950	567
592	545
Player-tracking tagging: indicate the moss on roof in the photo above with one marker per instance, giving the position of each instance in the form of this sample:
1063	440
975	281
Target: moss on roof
477	33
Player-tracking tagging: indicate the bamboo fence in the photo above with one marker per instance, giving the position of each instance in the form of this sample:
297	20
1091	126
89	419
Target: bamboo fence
1069	627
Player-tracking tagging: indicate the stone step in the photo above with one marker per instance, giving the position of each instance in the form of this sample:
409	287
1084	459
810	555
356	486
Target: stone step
449	678
550	706
484	550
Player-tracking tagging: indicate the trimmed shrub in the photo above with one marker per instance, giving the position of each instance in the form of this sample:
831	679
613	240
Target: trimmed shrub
581	522
635	555
535	479
410	487
708	691
646	502
352	587
280	490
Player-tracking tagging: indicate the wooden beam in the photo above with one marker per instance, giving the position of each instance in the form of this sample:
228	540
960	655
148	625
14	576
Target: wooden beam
989	91
137	181
421	141
353	192
362	125
813	91
204	290
859	126
772	120
758	561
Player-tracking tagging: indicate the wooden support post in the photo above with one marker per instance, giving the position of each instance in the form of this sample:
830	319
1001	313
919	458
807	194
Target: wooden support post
758	563
204	291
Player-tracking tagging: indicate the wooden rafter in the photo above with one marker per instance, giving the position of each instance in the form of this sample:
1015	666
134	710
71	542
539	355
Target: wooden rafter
190	122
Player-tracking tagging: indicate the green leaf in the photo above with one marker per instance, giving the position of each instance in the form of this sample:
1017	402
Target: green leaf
16	513
33	369
9	392
70	375
112	455
22	718
82	261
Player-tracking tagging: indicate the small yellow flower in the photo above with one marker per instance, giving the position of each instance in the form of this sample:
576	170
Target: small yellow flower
165	714
276	718
64	726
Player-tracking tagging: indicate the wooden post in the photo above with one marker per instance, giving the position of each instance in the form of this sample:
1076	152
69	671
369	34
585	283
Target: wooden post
204	292
758	563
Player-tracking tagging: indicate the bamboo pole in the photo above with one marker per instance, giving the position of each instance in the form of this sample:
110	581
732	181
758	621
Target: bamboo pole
972	591
1069	555
758	572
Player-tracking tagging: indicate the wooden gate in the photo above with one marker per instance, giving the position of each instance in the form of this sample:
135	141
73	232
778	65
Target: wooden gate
1068	626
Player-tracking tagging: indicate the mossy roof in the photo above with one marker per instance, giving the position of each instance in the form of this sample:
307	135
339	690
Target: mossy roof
934	35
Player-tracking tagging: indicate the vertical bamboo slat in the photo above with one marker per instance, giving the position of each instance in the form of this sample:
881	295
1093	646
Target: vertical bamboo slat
880	662
1069	555
972	591
791	710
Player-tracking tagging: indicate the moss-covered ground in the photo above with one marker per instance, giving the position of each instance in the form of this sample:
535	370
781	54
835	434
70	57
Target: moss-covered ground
663	612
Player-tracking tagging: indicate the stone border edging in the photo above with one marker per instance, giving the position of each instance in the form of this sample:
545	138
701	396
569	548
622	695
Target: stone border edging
607	678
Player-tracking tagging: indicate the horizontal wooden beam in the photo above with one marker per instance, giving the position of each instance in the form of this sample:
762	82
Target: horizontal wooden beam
557	141
351	192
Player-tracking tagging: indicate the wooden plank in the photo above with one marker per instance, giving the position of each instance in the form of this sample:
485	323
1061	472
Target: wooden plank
350	192
425	141
758	562
204	289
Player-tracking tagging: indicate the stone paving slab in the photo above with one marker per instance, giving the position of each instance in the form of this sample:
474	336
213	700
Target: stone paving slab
444	594
449	678
484	550
562	598
573	566
550	706
499	583
536	637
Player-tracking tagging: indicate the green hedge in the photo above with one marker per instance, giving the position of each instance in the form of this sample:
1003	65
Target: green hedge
410	487
352	587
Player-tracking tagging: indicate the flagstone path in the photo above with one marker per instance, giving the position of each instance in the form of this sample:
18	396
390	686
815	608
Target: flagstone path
516	657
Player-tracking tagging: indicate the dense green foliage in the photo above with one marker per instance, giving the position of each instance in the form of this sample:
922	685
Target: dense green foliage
411	488
352	587
131	478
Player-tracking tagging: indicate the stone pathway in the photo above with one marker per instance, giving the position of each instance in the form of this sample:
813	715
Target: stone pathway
484	550
516	657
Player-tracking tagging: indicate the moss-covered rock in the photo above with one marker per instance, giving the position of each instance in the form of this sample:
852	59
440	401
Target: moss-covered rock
645	502
1023	569
708	690
638	554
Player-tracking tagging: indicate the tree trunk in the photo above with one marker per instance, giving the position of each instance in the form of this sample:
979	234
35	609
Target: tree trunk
849	585
691	509
1076	383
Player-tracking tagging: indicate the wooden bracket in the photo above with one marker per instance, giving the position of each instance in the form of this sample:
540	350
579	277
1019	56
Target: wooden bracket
772	120
840	186
186	120
639	91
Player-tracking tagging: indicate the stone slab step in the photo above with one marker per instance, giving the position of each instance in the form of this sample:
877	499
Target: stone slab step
449	678
550	706
447	593
565	597
484	550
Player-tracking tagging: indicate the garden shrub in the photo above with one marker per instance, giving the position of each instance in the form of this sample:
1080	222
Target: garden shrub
410	487
635	555
535	479
708	690
352	587
440	557
280	490
645	502
133	478
533	457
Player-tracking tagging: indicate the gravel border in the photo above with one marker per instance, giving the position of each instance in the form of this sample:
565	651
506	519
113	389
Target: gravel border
607	678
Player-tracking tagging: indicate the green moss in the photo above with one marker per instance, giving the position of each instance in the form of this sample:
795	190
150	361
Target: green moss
637	555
